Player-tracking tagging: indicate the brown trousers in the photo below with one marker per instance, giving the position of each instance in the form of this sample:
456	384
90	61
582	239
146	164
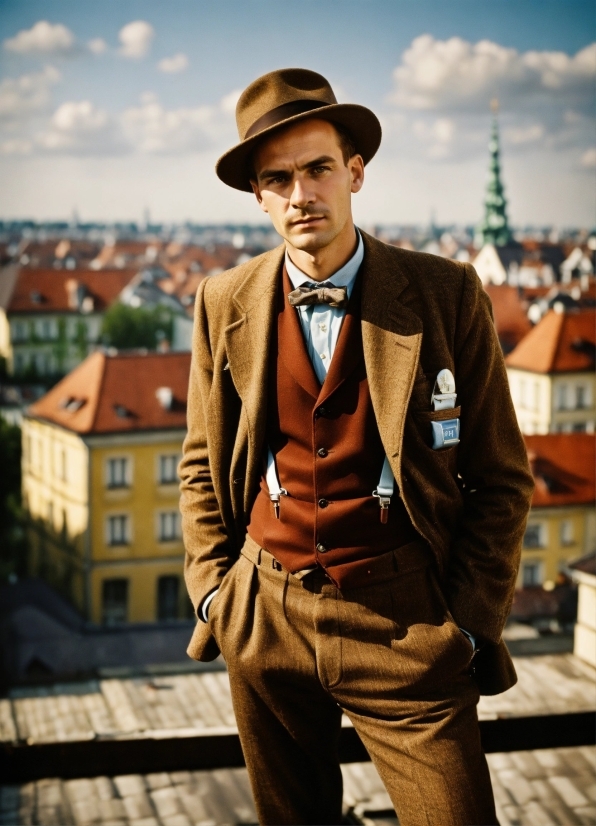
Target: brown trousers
388	654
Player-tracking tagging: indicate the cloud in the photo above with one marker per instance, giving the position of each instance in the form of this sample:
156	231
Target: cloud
136	38
524	134
78	127
588	159
151	128
16	146
43	38
173	65
97	46
26	94
456	75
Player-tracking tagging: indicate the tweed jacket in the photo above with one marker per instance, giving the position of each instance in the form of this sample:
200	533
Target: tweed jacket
419	314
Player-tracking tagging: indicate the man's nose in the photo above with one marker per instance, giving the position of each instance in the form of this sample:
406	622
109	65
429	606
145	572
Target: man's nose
301	195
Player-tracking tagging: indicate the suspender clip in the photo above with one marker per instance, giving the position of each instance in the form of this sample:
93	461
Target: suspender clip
384	502
275	497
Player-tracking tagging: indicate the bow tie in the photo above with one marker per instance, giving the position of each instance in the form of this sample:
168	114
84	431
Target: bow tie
326	293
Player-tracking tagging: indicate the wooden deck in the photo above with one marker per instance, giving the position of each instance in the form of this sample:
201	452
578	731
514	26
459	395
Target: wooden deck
545	787
186	703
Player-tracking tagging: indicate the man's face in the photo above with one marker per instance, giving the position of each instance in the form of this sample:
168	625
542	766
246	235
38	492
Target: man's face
304	185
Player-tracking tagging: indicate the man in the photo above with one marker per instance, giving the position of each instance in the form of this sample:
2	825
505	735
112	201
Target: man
354	483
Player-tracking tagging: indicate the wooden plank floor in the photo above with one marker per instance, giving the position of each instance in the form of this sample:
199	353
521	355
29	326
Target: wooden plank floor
542	788
548	684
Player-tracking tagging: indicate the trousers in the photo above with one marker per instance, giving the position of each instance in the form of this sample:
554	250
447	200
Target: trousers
388	654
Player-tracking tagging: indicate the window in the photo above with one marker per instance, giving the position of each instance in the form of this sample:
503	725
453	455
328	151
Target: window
118	473
114	601
580	397
532	574
46	329
536	396
534	536
62	468
523	387
168	526
20	363
167	469
579	427
118	530
566	532
168	588
562	397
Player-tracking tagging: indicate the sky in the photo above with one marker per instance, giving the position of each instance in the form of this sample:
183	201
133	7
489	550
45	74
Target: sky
121	107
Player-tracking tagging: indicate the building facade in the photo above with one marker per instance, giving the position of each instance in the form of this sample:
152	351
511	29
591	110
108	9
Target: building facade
562	521
551	374
100	453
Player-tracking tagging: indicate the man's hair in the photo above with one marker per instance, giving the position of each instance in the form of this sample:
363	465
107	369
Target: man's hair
345	140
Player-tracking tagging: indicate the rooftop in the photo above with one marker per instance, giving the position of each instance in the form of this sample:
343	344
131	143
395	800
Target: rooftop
561	342
65	291
563	466
509	310
118	393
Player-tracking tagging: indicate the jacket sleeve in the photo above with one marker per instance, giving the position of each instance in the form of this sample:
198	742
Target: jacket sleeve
496	479
208	552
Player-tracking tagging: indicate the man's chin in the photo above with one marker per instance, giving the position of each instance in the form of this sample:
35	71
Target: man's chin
309	240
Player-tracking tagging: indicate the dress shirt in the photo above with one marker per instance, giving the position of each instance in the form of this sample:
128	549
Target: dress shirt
321	323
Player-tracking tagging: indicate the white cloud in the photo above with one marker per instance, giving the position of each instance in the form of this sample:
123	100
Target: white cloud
136	38
97	46
458	75
150	128
588	159
78	127
26	94
173	65
43	38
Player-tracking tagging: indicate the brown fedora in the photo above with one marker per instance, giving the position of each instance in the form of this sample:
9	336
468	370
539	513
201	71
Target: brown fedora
284	97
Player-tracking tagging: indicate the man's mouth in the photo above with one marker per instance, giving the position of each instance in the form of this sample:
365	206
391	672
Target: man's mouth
307	220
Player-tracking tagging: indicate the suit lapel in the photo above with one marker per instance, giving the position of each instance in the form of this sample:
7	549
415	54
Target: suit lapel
247	347
294	352
391	339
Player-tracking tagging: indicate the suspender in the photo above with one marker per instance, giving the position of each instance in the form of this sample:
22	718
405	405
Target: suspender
383	491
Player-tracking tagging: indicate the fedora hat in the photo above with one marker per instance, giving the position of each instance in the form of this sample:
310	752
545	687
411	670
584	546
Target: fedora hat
282	98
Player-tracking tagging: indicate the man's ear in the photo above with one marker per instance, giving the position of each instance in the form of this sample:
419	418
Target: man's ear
356	167
257	191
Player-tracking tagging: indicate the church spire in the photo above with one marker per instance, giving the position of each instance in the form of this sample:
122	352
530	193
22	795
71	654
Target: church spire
494	228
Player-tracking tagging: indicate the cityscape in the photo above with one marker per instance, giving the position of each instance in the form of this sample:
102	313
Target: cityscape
103	717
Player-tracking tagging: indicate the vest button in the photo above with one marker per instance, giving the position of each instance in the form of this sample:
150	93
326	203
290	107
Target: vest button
322	549
322	411
322	452
323	503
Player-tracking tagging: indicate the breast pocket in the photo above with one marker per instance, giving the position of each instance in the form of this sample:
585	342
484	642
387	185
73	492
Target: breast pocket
440	428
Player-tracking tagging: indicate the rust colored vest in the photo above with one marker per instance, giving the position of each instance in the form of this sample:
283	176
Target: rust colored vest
329	457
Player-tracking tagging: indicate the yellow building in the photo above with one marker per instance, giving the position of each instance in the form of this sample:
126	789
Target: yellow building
551	374
100	452
562	522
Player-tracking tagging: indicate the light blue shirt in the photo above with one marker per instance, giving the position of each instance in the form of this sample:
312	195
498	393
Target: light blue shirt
321	323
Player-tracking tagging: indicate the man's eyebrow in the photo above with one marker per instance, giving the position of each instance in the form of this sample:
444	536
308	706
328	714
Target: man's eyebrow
274	173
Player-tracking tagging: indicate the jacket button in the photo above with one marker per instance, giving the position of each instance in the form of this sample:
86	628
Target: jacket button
322	549
321	452
323	503
322	411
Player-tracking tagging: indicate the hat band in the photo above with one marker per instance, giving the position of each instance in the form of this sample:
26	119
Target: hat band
283	112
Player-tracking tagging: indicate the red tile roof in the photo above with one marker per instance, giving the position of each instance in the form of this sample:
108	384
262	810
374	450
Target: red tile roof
509	310
564	468
559	343
49	291
111	394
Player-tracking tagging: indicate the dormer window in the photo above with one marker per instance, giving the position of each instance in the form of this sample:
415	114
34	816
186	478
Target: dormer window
35	296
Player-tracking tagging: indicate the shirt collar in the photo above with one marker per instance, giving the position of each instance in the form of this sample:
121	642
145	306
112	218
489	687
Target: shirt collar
344	277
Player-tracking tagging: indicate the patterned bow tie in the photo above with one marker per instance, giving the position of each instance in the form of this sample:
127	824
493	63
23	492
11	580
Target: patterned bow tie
326	293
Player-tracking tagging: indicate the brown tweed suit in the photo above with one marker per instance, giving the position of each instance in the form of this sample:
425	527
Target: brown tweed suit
402	661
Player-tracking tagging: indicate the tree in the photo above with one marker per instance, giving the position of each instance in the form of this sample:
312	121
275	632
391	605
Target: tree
129	327
12	538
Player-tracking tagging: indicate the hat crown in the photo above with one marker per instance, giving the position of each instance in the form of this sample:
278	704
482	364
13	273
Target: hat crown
279	88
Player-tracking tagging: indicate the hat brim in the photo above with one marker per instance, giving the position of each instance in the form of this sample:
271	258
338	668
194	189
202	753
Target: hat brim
233	167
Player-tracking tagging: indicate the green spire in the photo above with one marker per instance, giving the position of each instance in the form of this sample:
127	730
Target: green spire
494	229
